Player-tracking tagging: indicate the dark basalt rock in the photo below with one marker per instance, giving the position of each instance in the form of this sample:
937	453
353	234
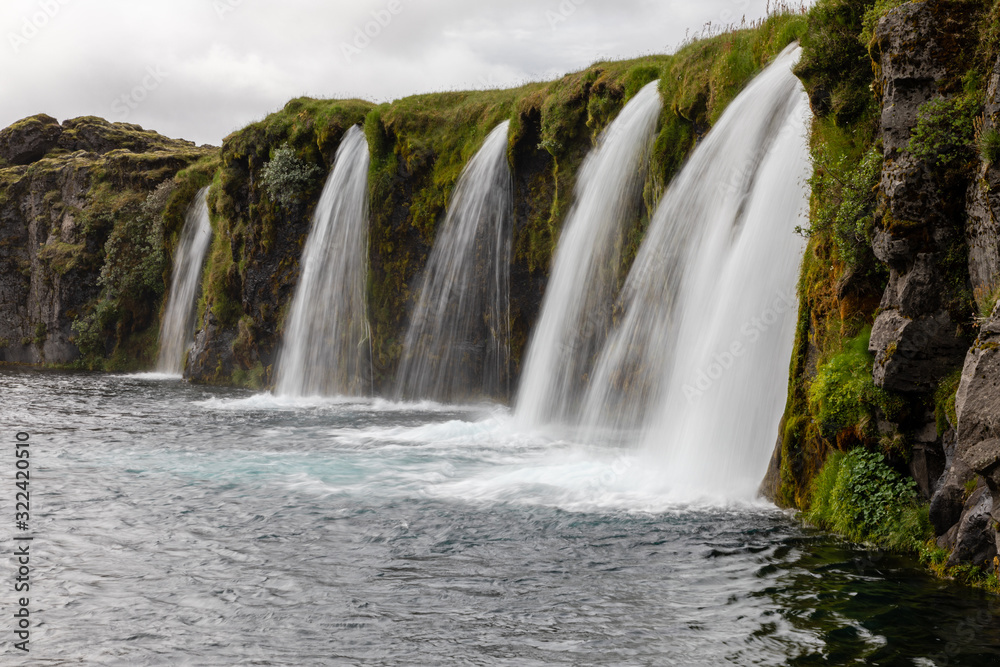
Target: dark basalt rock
211	357
911	194
915	339
926	466
911	355
974	539
915	47
29	140
949	498
897	253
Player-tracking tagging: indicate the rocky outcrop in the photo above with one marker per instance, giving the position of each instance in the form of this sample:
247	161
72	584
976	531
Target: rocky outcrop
928	214
973	538
982	229
971	528
915	338
53	228
977	451
29	140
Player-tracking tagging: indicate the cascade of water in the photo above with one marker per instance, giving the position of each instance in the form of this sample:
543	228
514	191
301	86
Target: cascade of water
457	344
326	348
698	363
177	331
576	312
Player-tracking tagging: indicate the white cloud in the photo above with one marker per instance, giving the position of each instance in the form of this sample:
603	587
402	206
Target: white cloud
232	61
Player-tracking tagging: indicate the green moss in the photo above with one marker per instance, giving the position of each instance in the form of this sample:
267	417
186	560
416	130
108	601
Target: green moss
64	257
844	187
187	182
944	402
255	378
844	395
835	65
985	576
872	16
219	289
41	333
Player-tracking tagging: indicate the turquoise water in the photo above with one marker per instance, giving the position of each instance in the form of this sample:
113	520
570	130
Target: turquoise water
178	525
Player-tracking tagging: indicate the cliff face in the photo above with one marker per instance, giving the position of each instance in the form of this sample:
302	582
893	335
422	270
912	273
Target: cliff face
55	221
926	242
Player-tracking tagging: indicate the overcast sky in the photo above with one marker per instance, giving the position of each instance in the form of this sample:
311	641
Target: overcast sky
199	69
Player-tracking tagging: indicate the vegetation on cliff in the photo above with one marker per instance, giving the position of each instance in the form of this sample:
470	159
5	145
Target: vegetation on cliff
851	442
86	209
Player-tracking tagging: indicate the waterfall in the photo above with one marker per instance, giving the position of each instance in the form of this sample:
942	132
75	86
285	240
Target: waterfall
456	346
576	308
177	331
698	364
326	345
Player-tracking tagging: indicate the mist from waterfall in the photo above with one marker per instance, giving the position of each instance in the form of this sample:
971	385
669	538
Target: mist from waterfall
177	329
326	349
457	344
576	309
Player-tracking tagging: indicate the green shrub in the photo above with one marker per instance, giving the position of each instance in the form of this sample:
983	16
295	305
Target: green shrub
843	395
986	297
945	130
846	208
835	65
131	278
859	496
286	175
989	145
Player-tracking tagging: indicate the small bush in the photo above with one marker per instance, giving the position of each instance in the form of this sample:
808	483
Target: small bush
986	297
835	66
846	208
131	278
988	144
945	130
859	496
286	175
843	395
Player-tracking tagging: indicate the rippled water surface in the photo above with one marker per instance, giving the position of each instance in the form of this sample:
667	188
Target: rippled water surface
185	525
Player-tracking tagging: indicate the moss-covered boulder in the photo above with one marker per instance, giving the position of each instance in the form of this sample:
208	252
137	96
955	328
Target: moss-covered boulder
66	192
29	140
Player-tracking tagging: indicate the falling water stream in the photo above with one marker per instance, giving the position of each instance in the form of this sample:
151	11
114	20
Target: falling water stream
698	364
177	330
457	345
576	309
326	345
